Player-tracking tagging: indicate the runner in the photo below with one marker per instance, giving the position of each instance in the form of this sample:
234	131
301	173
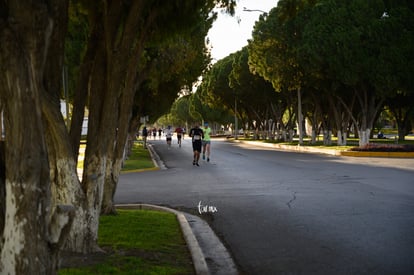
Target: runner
179	132
168	134
144	136
206	141
197	135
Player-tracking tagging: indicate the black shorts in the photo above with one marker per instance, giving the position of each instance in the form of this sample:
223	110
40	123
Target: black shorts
197	145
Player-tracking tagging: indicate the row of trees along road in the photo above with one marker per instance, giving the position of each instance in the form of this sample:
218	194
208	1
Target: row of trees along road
125	59
346	60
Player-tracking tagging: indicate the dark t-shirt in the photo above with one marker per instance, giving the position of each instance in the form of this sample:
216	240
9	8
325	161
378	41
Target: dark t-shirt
197	134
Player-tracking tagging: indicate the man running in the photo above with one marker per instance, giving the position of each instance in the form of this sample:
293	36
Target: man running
144	136
179	132
197	135
168	135
206	141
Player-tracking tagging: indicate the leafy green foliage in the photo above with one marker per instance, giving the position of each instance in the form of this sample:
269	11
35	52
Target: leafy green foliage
352	51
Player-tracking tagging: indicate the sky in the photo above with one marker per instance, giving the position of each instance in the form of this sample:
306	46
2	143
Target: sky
228	36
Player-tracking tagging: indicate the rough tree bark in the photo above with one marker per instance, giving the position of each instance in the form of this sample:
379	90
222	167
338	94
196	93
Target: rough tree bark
33	230
2	191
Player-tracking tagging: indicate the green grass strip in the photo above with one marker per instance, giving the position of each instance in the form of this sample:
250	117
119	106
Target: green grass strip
140	158
140	242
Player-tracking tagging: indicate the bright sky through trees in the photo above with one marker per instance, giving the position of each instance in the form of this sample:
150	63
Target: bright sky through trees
229	34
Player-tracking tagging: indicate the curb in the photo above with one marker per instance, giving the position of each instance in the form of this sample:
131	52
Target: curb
377	154
199	262
140	170
156	158
344	153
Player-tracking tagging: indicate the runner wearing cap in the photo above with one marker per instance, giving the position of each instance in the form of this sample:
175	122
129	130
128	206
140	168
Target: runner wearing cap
206	141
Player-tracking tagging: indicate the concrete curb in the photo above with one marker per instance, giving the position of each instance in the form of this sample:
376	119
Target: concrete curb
155	157
199	262
156	160
377	154
334	152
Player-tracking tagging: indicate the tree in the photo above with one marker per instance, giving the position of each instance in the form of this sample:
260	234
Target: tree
402	109
31	35
357	30
257	96
313	46
123	30
394	67
38	151
273	51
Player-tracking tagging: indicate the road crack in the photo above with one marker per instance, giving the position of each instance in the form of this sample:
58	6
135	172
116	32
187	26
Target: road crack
289	203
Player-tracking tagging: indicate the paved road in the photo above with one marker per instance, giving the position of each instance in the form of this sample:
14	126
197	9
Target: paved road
291	213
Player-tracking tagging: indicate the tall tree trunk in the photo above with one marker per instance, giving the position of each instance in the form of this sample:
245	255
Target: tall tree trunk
65	188
123	80
300	117
33	230
369	109
81	91
2	190
100	127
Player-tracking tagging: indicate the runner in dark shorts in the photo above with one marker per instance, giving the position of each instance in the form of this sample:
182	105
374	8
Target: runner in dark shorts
179	132
168	134
197	136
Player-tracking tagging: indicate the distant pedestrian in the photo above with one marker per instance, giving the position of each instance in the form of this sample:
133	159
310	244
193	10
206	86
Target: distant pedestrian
168	135
179	132
206	142
144	136
197	135
154	133
159	133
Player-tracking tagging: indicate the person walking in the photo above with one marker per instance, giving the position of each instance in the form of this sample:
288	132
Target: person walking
144	136
197	135
206	141
168	134
179	132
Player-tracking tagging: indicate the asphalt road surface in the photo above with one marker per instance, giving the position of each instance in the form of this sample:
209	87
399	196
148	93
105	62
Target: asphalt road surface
290	213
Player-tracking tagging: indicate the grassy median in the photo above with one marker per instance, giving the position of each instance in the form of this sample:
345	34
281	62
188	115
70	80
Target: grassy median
139	159
135	241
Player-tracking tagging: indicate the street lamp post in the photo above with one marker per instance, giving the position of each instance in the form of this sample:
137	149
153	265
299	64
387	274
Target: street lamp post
235	118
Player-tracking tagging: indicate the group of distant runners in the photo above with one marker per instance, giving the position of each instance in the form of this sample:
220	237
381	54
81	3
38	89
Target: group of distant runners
201	140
